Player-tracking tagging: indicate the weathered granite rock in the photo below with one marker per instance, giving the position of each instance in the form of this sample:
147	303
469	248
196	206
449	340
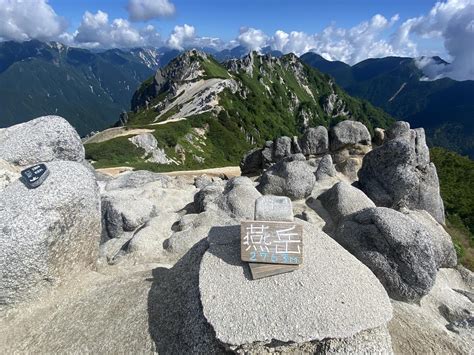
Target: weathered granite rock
195	227
350	167
202	181
138	178
379	136
281	148
152	311
128	213
294	179
43	139
267	154
398	129
149	144
277	308
238	198
273	208
206	198
159	156
398	174
347	133
325	168
342	200
146	141
315	141
397	249
124	211
49	232
372	341
252	162
295	145
427	327
8	174
442	243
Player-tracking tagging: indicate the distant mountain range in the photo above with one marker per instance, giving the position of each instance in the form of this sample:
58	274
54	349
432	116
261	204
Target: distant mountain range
444	107
90	89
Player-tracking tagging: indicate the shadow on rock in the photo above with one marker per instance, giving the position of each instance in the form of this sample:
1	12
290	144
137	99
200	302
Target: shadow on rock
225	245
175	318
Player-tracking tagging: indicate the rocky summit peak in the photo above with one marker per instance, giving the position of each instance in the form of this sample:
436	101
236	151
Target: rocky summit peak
144	262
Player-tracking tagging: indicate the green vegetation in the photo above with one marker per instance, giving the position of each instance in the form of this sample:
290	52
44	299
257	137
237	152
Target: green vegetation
213	69
443	107
456	175
223	145
276	102
115	152
89	89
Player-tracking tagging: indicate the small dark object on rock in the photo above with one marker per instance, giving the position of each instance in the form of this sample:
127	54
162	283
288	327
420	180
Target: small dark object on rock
35	175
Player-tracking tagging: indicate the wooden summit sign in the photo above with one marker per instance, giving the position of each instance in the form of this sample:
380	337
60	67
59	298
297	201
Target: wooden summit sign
271	242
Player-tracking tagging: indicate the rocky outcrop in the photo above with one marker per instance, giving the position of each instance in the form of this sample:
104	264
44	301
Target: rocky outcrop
125	211
325	168
48	233
342	200
349	142
273	208
252	162
133	179
399	174
433	326
149	144
398	250
379	136
43	139
349	133
139	210
8	174
315	141
192	228
199	297
281	148
277	309
238	198
294	179
443	246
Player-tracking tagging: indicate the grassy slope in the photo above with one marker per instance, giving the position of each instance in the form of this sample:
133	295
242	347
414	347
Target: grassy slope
456	175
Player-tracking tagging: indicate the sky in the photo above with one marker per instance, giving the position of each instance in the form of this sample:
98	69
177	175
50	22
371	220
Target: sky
346	30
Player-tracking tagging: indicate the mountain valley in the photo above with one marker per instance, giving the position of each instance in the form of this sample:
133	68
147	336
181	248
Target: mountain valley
444	107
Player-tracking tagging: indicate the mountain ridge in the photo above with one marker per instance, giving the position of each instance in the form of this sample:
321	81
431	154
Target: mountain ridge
204	113
444	107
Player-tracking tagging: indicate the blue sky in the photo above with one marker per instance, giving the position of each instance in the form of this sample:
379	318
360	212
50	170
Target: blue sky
345	30
223	18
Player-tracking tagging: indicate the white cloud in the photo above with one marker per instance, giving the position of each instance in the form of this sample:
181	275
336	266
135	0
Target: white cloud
29	19
95	31
181	36
349	45
144	10
452	21
252	38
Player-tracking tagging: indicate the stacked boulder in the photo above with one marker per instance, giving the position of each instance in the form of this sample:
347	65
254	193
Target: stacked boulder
350	141
404	250
399	174
52	231
344	145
